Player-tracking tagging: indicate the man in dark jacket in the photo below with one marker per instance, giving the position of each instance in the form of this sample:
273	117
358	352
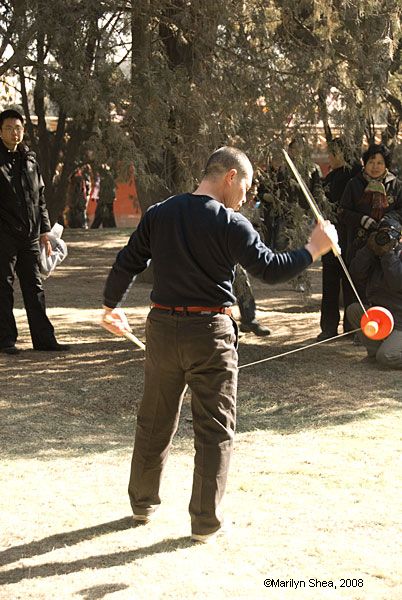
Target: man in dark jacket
378	268
333	276
24	225
195	240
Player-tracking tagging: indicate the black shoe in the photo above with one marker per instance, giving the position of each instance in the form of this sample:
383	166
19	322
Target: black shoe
255	327
325	335
9	350
55	347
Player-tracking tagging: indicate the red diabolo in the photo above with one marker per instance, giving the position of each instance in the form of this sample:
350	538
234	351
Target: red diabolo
378	323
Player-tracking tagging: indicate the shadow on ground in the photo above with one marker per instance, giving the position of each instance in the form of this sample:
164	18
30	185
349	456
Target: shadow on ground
62	540
70	538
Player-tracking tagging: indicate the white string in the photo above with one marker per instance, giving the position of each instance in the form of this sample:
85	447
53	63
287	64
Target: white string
336	337
352	285
257	362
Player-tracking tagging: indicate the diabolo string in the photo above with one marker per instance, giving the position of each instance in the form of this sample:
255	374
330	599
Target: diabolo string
336	337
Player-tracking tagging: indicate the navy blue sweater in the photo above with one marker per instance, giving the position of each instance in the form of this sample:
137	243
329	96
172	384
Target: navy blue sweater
194	243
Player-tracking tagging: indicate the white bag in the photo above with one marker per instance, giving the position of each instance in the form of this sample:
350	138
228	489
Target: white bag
59	251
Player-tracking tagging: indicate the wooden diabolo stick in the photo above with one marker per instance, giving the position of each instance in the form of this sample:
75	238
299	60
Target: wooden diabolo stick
130	336
127	334
320	219
310	199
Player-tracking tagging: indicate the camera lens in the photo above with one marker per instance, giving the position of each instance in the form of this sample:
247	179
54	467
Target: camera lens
382	237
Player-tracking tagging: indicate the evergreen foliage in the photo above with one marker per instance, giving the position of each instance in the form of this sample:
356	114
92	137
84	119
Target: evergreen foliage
161	84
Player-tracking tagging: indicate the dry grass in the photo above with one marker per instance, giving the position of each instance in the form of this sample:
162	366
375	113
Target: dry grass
314	488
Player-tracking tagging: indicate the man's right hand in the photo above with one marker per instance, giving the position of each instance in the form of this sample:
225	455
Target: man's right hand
115	320
323	238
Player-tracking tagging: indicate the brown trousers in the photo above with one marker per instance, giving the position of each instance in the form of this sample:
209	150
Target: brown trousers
198	350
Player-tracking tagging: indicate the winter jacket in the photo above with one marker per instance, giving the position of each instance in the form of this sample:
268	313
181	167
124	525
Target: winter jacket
21	220
353	207
334	185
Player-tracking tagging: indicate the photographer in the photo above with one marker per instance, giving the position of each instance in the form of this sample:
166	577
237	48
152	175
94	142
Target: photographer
377	268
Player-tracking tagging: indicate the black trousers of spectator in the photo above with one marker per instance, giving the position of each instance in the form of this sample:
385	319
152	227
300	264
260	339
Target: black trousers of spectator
104	216
199	350
333	280
244	295
21	258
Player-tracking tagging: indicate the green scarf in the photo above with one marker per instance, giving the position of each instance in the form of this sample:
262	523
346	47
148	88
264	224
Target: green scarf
375	191
375	184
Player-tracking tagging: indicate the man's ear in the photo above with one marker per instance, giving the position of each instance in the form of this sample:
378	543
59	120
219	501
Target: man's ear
230	176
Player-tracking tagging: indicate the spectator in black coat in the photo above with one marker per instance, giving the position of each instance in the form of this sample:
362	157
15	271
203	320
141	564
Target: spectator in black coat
333	277
24	225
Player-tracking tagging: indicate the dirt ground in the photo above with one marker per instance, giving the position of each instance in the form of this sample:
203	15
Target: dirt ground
314	489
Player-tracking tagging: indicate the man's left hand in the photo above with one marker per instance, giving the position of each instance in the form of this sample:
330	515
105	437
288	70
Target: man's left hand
44	240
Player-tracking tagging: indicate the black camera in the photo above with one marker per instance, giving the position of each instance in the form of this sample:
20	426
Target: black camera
387	232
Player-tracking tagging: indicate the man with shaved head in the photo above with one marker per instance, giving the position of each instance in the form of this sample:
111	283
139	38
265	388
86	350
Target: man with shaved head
224	159
195	240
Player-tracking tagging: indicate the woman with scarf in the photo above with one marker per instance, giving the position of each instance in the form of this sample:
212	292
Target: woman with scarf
368	197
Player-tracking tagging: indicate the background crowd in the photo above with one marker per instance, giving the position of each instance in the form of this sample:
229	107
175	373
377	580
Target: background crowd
87	184
363	197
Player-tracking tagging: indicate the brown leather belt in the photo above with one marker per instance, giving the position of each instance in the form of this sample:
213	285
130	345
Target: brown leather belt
224	310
